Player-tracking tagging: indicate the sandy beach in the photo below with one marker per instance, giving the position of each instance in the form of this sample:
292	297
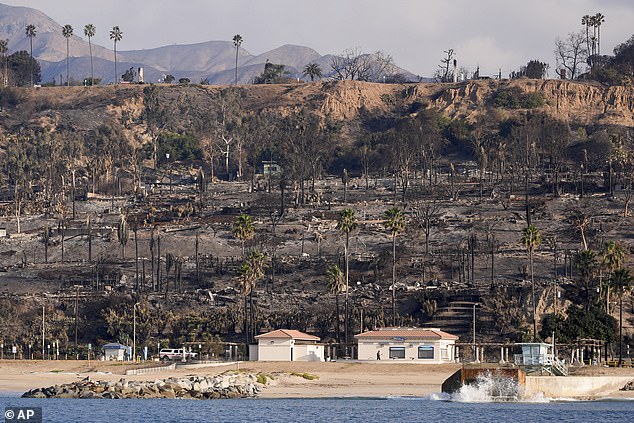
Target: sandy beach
335	379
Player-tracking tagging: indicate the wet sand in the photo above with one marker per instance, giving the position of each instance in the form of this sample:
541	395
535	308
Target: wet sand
334	379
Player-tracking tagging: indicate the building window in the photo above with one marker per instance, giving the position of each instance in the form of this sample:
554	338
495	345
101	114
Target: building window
426	352
397	352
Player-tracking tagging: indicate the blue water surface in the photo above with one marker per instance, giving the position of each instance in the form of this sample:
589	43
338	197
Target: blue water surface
322	410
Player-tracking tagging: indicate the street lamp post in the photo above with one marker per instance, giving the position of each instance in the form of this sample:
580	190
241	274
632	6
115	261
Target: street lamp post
134	332
475	347
43	333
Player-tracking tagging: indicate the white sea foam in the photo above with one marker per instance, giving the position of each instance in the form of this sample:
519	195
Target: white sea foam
440	396
537	398
487	388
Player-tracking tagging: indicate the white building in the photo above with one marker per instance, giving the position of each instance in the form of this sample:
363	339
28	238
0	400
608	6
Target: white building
286	345
115	351
426	345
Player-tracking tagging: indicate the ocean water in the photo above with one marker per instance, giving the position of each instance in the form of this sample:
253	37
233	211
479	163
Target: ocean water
436	408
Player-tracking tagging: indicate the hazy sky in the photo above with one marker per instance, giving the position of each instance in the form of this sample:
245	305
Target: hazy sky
490	33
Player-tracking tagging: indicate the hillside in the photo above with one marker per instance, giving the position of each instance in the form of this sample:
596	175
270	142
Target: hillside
576	103
348	102
59	249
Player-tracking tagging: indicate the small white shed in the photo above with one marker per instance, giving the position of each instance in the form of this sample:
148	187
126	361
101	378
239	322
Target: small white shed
287	345
114	351
426	345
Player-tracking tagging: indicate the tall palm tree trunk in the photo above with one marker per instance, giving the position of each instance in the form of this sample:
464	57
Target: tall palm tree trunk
251	317
533	298
31	62
68	62
346	323
92	68
116	78
236	79
337	326
246	321
393	280
136	259
158	264
621	330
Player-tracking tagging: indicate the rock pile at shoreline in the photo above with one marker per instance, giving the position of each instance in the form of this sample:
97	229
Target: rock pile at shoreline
194	387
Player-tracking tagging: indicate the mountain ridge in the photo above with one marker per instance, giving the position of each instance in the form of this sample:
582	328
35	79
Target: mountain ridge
213	61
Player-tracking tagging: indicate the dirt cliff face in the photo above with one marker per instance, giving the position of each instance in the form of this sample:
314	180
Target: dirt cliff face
348	102
577	103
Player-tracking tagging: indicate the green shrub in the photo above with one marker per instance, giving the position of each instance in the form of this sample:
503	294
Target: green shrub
179	147
514	98
388	99
593	323
306	376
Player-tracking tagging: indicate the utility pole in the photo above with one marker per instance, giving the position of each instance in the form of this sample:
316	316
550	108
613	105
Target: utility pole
43	332
474	324
76	312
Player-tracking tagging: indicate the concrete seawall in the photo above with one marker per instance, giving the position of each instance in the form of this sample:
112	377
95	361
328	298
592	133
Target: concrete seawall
573	386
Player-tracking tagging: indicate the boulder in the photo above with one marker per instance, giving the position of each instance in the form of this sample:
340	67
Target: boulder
193	387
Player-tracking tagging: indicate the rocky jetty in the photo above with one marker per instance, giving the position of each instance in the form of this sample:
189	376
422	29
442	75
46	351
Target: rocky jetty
195	387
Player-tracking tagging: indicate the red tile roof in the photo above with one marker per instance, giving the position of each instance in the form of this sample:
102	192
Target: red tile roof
406	334
288	334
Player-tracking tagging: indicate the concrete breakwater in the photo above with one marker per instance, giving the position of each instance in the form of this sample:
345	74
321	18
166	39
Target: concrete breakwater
574	386
195	387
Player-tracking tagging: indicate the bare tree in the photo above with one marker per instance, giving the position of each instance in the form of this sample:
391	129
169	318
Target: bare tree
571	53
382	67
444	74
425	214
352	64
581	218
230	120
157	114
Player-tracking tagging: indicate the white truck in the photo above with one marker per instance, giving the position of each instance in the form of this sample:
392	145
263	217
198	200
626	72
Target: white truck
167	354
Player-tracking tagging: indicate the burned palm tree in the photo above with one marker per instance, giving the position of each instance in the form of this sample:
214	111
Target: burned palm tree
243	229
123	234
621	282
531	239
251	271
346	224
336	285
395	223
45	238
169	263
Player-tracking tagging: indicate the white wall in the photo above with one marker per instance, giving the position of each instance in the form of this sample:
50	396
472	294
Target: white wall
274	349
280	350
308	352
443	350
